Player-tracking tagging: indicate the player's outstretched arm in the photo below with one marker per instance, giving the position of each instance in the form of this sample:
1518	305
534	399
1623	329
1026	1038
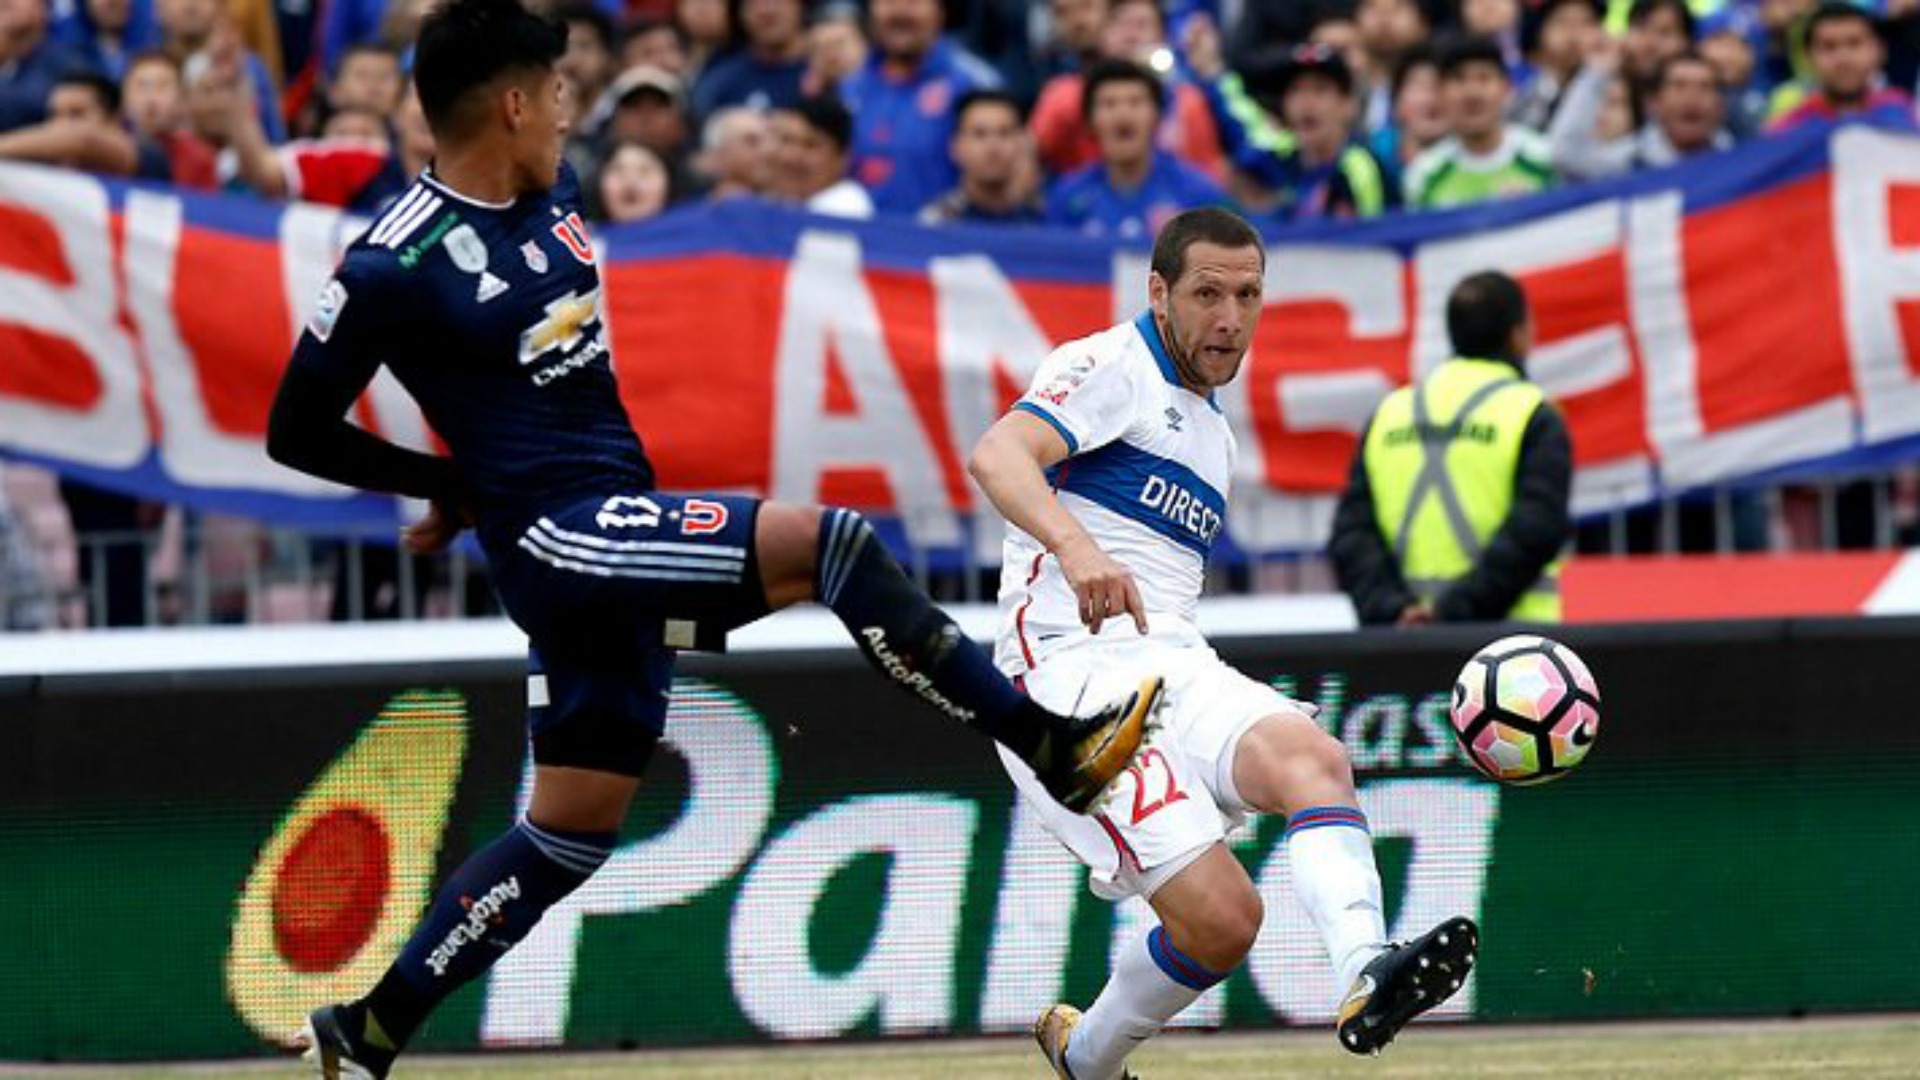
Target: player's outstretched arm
1009	463
308	429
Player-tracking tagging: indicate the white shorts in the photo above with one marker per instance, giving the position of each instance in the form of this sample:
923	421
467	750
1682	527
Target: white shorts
1178	799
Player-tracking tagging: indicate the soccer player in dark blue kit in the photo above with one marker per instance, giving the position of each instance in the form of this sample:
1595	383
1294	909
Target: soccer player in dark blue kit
478	289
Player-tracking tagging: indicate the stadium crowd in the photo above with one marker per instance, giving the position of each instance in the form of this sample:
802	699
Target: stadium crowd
1102	115
1105	116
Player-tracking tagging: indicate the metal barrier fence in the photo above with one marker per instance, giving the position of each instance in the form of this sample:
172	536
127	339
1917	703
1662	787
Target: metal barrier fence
181	568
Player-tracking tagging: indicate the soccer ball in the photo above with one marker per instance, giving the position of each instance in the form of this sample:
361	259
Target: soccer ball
1526	710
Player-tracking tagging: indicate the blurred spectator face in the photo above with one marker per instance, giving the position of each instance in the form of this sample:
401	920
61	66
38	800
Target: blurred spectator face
1475	99
22	22
1490	18
1077	24
1343	36
367	79
189	21
706	22
657	47
1317	111
1846	56
651	119
1687	104
1123	119
633	184
588	61
773	26
737	149
77	105
1389	28
988	144
1418	111
109	16
1566	35
804	161
905	30
361	125
1133	31
835	49
151	97
1732	58
1654	40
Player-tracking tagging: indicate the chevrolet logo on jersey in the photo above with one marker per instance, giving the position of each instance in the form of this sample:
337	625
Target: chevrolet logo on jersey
566	318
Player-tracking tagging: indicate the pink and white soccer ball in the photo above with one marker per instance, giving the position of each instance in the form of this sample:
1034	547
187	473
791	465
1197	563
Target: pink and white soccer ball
1525	710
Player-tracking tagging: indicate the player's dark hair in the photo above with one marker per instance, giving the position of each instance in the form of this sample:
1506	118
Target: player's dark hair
104	90
825	114
1483	311
1833	11
1471	49
1206	225
1642	10
986	96
467	44
1119	71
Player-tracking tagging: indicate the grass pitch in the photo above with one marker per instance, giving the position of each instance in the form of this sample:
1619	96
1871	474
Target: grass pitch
1882	1048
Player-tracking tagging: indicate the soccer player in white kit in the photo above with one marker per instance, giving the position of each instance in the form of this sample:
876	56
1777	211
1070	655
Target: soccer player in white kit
1113	473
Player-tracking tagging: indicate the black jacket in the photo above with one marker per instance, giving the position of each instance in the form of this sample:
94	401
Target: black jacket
1537	529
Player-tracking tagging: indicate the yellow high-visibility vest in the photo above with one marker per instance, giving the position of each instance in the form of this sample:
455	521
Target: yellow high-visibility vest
1441	458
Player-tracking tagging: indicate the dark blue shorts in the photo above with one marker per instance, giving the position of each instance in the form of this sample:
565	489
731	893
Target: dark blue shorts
609	590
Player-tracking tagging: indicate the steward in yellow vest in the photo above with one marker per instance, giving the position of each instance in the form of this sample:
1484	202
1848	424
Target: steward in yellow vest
1456	508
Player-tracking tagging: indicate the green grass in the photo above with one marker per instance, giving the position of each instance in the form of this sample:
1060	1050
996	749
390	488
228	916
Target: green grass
1832	1049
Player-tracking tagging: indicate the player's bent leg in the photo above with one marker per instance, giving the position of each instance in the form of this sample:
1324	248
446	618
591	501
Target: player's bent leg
1286	764
834	557
1210	915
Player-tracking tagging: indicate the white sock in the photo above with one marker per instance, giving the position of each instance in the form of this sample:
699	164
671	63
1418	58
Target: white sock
1331	853
1150	985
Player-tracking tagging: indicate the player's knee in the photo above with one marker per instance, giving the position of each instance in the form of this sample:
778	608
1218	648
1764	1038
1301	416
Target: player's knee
1287	762
1323	757
786	543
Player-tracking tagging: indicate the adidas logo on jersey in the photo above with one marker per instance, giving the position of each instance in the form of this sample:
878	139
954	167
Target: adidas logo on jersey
490	287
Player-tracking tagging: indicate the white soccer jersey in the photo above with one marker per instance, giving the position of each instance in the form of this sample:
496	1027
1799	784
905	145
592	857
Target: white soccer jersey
1147	474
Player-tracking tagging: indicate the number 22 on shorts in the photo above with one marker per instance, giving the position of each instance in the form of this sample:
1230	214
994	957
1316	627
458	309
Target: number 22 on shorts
1150	760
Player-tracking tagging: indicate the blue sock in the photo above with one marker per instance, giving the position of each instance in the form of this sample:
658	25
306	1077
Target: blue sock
913	642
484	909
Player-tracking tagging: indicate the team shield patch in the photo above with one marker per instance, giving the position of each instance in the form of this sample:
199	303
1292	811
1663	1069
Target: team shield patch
466	249
333	299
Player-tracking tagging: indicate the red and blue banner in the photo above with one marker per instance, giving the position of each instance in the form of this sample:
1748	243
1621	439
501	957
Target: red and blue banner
1752	315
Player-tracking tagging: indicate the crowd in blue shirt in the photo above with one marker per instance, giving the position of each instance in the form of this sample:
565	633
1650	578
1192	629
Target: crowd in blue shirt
1291	111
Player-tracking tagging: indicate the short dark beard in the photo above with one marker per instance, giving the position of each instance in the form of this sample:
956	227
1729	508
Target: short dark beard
1183	364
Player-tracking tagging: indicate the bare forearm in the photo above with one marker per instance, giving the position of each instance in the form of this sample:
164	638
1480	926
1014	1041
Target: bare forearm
260	166
1014	483
55	144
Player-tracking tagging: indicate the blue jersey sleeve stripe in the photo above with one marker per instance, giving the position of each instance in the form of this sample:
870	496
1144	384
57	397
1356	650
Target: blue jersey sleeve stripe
1073	444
